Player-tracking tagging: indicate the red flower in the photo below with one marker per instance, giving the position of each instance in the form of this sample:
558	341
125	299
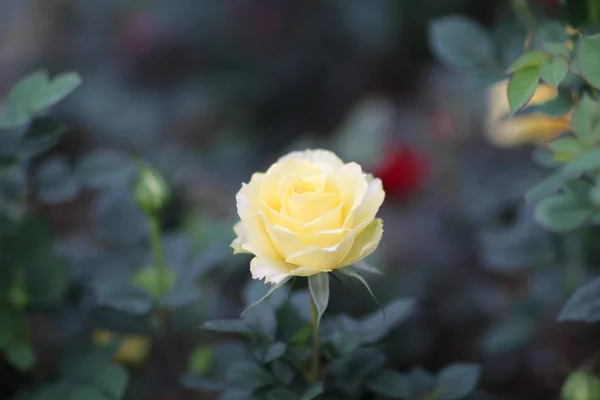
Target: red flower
403	171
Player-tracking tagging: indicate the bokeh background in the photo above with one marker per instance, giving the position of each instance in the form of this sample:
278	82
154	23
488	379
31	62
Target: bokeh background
211	91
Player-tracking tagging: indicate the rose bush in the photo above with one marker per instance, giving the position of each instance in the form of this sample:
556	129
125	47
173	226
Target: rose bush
309	213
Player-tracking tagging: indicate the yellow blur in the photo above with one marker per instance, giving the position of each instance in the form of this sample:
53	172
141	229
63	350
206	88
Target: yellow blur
133	350
531	128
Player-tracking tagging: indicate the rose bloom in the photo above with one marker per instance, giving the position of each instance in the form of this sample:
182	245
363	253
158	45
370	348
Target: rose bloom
309	213
521	129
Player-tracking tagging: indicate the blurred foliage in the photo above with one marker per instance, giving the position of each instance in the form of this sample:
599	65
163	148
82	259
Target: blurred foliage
200	93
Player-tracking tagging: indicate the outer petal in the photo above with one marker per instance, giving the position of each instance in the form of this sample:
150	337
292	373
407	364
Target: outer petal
247	206
371	202
240	240
366	242
353	187
271	270
318	155
323	259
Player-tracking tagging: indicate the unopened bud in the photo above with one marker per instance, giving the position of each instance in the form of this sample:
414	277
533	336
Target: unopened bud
581	385
150	190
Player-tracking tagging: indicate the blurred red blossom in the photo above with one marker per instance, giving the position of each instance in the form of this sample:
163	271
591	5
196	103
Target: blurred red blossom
403	171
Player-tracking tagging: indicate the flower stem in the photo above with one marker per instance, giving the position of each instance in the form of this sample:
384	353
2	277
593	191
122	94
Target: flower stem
593	10
159	257
524	12
314	365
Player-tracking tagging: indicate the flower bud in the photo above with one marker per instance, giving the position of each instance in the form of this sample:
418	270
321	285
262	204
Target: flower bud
581	385
151	191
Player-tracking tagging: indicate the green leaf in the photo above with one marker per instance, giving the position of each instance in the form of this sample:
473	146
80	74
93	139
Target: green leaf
271	352
461	42
247	375
227	325
20	355
585	120
564	212
378	324
43	134
349	271
594	195
318	286
391	384
271	290
586	162
554	71
55	183
6	329
105	168
583	305
313	391
281	394
364	267
128	299
346	343
17	110
557	107
549	185
111	380
566	145
262	321
53	92
557	49
530	59
458	380
589	58
521	87
422	384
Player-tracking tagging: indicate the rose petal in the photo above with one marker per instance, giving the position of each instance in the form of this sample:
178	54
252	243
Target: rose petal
366	242
271	270
322	259
371	202
353	187
247	206
309	207
240	240
319	156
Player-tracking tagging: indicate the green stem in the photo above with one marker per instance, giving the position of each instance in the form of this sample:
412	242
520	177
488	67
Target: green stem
314	365
593	7
159	257
524	12
575	268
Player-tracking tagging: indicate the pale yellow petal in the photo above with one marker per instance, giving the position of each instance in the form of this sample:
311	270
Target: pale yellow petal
322	259
317	155
240	240
367	210
308	207
366	242
271	270
248	207
332	219
353	188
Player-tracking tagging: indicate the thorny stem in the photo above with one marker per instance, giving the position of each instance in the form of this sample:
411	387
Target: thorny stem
314	365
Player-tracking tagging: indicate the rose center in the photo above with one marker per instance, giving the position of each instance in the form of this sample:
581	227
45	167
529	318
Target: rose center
304	186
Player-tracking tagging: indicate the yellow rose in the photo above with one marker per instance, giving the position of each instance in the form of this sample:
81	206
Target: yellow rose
309	213
534	127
